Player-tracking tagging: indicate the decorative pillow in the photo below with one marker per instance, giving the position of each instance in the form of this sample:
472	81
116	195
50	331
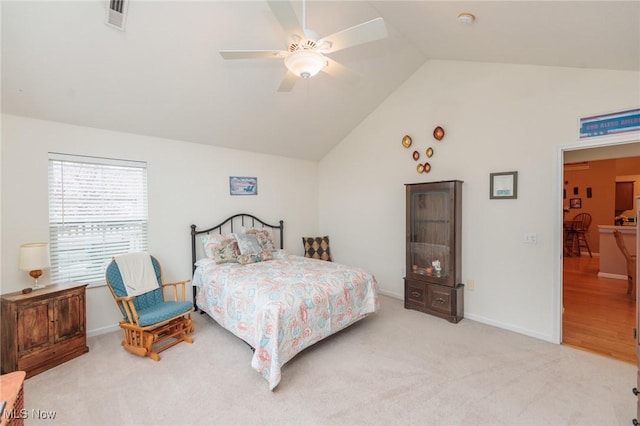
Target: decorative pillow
248	244
211	240
226	251
223	248
244	259
317	248
263	236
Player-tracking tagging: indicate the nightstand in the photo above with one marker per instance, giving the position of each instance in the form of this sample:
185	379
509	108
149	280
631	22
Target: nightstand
43	328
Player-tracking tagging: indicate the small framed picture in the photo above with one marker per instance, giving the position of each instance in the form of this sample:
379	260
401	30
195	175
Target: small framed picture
242	185
503	185
575	203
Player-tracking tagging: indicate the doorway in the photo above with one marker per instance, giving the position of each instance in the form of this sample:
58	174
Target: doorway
595	313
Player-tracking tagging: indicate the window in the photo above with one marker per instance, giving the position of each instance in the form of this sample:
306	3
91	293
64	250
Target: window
97	210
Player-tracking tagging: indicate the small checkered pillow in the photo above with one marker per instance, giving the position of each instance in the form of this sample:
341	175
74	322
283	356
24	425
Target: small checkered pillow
317	248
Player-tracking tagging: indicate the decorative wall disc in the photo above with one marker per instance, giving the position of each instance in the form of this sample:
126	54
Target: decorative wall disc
426	168
406	141
429	152
416	155
438	133
420	168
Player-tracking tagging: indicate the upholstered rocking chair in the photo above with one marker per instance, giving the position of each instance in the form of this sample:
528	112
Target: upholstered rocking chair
155	314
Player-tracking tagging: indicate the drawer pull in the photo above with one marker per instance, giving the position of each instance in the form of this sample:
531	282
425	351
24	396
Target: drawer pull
440	300
415	294
635	391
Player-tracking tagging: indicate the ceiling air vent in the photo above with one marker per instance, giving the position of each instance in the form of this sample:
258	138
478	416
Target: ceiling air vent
117	13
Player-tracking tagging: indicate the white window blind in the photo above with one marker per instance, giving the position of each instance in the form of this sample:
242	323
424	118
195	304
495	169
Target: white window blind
97	210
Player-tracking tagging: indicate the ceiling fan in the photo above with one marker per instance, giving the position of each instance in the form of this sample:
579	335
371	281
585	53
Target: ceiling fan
306	52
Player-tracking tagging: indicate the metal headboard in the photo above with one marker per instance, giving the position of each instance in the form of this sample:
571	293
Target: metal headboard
228	225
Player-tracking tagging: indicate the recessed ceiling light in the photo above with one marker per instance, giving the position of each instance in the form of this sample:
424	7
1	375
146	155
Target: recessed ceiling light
466	18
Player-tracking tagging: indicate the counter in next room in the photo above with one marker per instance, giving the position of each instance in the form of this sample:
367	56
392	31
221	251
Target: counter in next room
612	262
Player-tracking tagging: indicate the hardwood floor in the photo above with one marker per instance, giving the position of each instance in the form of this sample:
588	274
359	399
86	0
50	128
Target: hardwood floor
599	315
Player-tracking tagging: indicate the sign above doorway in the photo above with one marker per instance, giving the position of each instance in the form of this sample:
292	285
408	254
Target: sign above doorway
610	124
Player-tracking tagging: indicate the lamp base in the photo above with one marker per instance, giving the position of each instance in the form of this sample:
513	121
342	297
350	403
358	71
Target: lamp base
35	274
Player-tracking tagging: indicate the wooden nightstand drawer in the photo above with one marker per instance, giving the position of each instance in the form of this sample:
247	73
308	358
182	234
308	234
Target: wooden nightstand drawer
52	355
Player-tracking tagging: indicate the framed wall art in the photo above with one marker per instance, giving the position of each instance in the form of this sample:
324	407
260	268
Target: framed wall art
503	185
242	185
575	203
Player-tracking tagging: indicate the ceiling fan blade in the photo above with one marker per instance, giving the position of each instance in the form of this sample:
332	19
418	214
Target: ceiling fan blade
284	13
253	54
363	33
335	69
288	82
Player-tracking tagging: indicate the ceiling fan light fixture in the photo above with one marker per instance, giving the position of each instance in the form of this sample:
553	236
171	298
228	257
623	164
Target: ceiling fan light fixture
305	63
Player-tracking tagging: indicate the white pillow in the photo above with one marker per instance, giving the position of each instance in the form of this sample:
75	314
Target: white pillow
204	262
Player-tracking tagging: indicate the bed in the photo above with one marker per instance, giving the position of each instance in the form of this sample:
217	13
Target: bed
280	304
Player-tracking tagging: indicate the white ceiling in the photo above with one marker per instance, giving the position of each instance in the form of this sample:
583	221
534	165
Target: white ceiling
164	77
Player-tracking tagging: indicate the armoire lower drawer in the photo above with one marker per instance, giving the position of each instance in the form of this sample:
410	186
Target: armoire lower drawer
415	294
439	300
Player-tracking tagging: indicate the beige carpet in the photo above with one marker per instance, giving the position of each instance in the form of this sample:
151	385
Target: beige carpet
396	367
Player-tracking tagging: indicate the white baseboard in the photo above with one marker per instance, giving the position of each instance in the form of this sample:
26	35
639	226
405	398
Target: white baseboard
102	330
614	276
491	322
519	330
390	294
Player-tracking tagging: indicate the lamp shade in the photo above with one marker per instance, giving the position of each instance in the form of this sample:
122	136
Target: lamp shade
305	63
34	256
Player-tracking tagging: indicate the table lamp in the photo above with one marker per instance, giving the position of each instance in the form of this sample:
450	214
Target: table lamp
34	257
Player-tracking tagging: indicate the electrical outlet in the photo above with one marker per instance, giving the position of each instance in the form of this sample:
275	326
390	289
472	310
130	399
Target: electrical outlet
471	285
530	238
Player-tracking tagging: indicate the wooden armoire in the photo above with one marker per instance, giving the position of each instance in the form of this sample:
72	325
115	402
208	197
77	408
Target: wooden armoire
433	249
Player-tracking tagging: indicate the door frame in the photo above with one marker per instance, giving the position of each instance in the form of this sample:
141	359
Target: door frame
595	142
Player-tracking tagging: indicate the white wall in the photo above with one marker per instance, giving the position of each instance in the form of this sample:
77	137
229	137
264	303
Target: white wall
496	118
187	184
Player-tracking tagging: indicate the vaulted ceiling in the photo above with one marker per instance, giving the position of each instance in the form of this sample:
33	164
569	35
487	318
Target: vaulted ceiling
164	77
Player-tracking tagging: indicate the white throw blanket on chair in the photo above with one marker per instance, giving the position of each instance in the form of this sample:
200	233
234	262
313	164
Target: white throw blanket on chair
137	273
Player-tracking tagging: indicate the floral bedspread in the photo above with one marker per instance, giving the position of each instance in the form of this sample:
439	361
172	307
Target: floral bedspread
285	305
